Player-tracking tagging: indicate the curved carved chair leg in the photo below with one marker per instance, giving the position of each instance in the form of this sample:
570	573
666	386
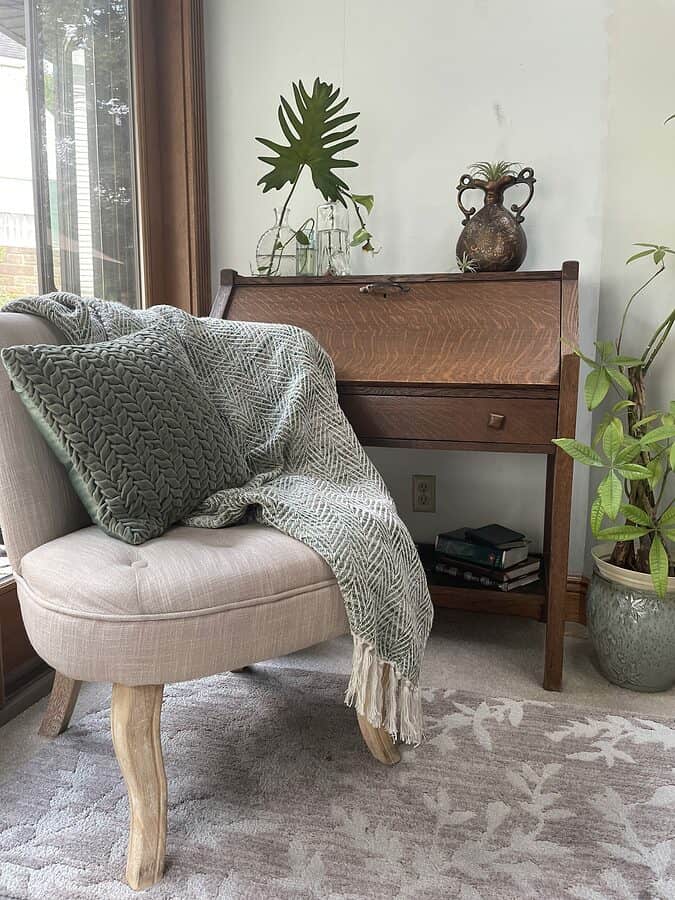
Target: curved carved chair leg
60	707
379	742
135	716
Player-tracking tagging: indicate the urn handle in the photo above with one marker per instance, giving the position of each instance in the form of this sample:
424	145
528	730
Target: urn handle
525	176
467	183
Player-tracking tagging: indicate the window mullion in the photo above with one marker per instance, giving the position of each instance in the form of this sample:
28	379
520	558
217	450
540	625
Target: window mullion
40	167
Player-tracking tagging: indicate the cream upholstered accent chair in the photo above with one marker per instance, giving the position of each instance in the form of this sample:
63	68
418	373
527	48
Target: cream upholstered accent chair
191	603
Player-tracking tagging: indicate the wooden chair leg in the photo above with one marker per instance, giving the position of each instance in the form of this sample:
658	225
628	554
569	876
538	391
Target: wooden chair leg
135	716
379	742
60	707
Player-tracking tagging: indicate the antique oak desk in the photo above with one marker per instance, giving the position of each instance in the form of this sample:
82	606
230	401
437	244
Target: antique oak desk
456	362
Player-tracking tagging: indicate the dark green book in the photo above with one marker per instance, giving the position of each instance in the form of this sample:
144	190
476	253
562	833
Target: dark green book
455	544
496	536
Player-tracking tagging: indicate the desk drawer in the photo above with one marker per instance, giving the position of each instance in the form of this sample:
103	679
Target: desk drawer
480	419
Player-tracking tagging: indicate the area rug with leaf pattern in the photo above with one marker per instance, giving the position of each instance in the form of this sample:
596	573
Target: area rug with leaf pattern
273	796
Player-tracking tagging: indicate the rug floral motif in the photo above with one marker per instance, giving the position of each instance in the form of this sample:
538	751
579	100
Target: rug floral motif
273	796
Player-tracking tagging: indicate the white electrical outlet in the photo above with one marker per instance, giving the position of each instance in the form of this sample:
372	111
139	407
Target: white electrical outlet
424	493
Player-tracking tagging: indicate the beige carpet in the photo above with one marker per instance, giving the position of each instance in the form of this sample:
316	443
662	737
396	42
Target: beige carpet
272	795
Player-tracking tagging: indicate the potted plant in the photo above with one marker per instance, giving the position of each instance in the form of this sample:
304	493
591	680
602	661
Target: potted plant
631	597
314	136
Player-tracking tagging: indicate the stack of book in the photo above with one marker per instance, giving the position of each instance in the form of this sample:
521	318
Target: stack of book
492	556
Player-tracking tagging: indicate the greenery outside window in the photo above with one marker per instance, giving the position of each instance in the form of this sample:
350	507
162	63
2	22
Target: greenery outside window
75	106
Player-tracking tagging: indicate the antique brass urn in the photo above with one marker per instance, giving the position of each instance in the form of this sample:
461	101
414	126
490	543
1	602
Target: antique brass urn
492	239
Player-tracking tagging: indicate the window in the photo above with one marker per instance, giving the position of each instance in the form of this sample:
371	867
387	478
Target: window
18	262
67	185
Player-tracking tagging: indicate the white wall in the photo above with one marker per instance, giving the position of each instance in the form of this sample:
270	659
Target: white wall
640	185
640	196
439	85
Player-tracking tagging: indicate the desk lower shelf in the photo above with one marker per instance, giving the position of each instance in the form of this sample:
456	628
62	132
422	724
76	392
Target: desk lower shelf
453	593
529	602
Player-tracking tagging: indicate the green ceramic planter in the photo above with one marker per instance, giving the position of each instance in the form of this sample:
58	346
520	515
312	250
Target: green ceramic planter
632	629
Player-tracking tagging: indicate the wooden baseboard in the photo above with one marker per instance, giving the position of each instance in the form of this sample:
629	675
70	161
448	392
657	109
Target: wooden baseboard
24	677
575	600
27	695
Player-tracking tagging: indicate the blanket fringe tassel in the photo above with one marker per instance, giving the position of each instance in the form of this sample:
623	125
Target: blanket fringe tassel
384	697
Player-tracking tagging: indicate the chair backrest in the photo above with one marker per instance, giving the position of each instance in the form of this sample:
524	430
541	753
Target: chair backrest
37	501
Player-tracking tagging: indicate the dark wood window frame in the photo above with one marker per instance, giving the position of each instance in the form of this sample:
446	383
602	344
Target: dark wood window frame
167	47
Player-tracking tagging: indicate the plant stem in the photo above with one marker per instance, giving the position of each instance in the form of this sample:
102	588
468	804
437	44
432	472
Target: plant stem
662	491
357	211
295	232
639	492
628	305
661	334
281	219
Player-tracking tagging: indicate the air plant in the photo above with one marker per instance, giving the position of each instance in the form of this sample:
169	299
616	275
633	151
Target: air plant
466	264
493	171
314	138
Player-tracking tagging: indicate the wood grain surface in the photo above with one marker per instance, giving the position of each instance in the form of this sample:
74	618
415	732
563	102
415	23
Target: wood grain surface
471	362
170	119
379	742
135	719
559	474
19	663
529	603
60	708
438	332
451	419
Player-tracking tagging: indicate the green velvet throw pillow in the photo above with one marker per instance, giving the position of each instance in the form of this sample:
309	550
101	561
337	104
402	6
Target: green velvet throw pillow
141	440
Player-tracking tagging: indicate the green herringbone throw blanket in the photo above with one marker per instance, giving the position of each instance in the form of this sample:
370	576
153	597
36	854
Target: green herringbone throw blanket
310	478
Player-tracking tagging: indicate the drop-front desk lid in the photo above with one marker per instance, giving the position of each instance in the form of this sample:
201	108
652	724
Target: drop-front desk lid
501	329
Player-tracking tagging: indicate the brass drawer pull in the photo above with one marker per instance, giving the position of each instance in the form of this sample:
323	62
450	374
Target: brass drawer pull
496	421
381	287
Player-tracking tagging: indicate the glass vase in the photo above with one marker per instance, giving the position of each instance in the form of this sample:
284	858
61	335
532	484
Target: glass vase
305	261
275	253
332	239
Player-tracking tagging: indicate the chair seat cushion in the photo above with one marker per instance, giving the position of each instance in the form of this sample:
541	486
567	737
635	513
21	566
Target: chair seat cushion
192	602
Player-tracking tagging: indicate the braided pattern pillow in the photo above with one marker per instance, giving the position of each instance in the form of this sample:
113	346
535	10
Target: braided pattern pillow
141	440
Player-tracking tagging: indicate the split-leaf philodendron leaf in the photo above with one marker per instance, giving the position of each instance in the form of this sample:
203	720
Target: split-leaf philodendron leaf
314	140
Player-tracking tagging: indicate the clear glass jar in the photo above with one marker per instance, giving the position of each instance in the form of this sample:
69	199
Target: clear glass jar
275	253
332	239
305	260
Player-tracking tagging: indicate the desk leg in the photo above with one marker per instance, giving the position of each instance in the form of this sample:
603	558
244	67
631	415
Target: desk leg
556	549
